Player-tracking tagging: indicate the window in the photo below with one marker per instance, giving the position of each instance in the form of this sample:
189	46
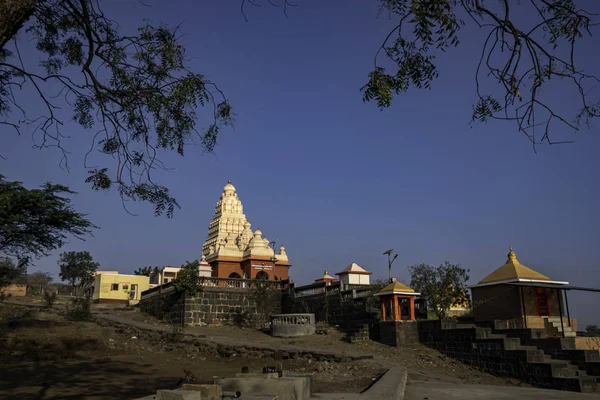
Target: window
262	275
166	280
125	287
114	286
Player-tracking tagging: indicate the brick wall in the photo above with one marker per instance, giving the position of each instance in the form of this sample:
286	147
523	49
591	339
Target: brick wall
496	302
504	302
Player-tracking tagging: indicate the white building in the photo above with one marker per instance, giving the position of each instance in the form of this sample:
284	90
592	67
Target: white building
354	274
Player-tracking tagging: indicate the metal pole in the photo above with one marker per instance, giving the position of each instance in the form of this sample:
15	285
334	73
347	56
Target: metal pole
567	302
389	268
523	306
560	312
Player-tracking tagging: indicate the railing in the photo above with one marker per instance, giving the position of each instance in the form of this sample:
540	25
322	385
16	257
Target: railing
346	290
293	319
311	290
238	283
231	283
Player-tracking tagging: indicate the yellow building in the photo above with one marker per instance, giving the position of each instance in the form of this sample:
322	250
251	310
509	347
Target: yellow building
112	287
14	290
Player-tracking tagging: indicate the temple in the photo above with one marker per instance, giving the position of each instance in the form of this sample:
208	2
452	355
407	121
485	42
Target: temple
234	251
354	274
521	297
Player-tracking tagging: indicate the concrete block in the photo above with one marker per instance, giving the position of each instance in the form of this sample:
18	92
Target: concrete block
207	391
270	375
177	395
292	388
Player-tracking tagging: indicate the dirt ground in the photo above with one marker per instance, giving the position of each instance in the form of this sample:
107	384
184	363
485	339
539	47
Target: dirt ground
45	356
422	362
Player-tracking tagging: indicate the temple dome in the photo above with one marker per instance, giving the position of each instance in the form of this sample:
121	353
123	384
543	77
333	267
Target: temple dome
229	188
512	271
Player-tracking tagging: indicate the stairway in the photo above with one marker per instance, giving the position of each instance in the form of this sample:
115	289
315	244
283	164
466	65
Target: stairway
573	376
559	328
357	334
503	354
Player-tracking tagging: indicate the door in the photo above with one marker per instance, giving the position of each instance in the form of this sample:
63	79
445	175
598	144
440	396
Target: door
133	292
541	299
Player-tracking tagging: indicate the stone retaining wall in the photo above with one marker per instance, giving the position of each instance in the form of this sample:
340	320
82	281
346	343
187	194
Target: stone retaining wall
349	314
215	306
398	333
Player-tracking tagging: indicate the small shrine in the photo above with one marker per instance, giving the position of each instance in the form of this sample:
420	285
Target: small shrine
204	268
398	325
328	279
397	302
233	250
354	274
519	297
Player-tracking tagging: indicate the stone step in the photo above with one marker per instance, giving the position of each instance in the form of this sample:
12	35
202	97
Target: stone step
522	347
588	384
558	326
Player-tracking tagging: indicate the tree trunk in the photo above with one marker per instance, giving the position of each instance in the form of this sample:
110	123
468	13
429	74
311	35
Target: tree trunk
13	14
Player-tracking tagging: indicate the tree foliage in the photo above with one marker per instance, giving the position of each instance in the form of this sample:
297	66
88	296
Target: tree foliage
592	329
145	271
39	280
9	273
34	222
132	92
188	278
520	55
77	268
441	287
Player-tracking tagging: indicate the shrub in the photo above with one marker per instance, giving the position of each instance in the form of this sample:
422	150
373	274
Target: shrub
49	298
80	309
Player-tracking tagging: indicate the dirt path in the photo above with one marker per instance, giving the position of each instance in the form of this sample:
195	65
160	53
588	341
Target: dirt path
44	356
127	354
422	362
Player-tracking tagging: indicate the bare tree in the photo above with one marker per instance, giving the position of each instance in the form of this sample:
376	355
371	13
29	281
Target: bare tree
520	57
133	93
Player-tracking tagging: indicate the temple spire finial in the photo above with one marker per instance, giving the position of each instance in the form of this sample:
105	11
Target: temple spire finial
511	255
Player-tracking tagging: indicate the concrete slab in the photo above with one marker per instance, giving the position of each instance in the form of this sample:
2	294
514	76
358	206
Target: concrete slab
292	388
208	392
178	395
391	386
420	390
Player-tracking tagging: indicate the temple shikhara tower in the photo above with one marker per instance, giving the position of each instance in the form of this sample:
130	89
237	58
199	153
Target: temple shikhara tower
234	251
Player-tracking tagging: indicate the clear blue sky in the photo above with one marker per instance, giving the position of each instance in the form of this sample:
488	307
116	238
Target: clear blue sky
337	180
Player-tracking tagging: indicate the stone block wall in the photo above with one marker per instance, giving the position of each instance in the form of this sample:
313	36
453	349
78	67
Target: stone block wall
348	314
560	348
167	306
214	306
500	355
398	333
